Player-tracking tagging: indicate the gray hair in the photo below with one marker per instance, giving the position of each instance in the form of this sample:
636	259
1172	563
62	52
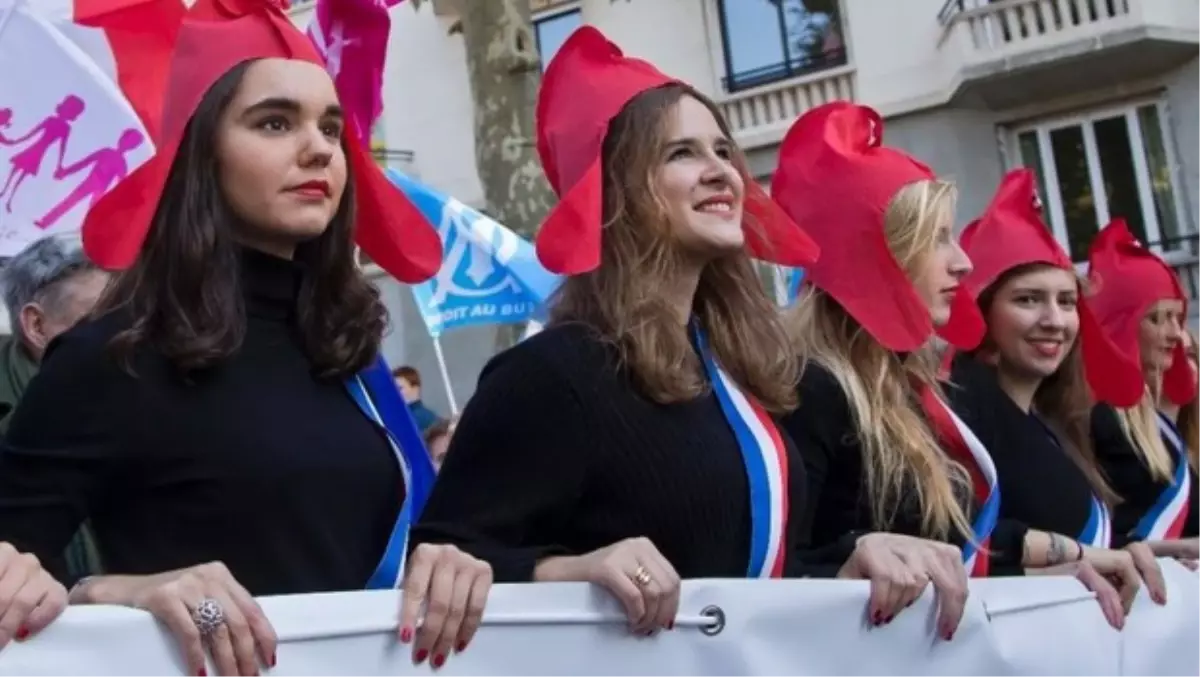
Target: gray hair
34	273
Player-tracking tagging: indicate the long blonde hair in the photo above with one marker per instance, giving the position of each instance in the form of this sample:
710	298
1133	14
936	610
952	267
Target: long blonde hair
623	301
1140	423
900	450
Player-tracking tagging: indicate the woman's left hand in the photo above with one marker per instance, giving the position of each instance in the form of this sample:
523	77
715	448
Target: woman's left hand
1118	567
453	587
30	598
1150	571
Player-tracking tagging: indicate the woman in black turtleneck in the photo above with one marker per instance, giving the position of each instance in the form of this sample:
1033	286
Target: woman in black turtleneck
211	420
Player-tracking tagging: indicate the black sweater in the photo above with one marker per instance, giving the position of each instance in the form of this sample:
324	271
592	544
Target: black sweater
1040	485
259	464
558	453
1131	479
824	431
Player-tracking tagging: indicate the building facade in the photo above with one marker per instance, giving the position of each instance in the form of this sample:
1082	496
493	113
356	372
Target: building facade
1099	97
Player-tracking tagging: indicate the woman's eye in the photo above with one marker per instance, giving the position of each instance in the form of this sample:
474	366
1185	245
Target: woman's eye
679	153
332	130
274	124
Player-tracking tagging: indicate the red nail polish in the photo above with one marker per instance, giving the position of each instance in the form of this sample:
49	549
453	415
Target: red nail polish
438	660
462	646
22	633
421	655
272	659
949	635
670	625
202	672
406	635
889	619
877	617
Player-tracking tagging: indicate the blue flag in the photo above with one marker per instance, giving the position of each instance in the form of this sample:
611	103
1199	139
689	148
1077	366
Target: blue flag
489	274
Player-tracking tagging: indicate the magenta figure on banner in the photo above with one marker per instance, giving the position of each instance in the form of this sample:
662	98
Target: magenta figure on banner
108	167
54	129
5	123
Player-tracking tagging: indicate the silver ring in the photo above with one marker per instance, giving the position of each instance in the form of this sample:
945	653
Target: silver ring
208	616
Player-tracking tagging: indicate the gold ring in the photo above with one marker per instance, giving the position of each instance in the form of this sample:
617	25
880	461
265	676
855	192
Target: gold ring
642	577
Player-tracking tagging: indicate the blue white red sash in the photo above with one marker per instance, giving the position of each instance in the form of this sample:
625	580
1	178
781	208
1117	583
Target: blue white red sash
963	446
765	458
1166	518
376	395
1097	533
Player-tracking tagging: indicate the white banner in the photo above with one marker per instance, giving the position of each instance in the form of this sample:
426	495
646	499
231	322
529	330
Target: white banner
1012	626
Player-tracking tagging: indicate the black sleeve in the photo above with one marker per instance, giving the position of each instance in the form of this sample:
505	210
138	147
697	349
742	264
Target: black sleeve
1125	472
817	427
1008	548
64	449
514	470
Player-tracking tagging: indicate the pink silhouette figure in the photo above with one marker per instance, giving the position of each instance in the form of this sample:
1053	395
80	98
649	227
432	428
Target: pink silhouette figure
5	123
108	168
54	129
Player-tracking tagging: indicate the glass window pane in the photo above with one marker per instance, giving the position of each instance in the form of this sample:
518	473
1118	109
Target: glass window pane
1031	158
1075	186
1160	176
753	39
814	34
1120	177
552	31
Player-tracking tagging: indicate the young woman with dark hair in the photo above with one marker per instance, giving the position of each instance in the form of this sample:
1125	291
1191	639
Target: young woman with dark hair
631	443
225	420
1029	388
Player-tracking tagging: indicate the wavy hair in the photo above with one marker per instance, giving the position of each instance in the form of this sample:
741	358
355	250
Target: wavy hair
901	452
622	299
184	293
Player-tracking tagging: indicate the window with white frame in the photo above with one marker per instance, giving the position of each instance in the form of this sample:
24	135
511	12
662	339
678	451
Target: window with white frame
551	30
1104	164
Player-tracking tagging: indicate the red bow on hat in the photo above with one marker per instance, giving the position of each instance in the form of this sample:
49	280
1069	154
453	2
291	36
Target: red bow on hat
1127	279
215	37
585	86
837	179
1011	233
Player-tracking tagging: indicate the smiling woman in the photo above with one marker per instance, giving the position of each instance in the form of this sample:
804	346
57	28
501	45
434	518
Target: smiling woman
215	418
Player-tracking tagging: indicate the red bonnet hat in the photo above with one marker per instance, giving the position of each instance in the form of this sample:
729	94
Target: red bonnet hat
216	36
1127	279
837	178
1011	233
585	86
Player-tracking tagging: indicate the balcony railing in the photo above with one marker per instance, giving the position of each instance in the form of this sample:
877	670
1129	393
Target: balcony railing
403	161
998	28
761	115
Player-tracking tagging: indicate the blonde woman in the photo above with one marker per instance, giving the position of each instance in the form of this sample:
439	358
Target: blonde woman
1185	415
882	449
631	444
1142	307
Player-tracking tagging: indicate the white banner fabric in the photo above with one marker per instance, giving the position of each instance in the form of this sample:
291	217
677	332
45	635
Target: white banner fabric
1012	626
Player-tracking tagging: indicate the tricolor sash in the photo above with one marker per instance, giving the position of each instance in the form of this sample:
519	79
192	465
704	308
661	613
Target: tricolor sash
962	445
765	458
1165	519
376	394
1097	533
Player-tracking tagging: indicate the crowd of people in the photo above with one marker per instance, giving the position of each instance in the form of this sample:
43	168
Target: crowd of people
209	423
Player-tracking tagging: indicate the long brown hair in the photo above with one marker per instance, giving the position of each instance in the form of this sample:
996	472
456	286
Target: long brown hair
1063	400
901	453
184	292
622	299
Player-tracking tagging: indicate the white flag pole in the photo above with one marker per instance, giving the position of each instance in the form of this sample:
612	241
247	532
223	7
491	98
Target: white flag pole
441	360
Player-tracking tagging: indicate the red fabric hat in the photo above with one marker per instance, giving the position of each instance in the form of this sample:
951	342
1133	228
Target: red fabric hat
1011	233
585	86
1127	279
216	36
835	177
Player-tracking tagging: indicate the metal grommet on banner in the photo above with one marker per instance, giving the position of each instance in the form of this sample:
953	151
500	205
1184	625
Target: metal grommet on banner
717	614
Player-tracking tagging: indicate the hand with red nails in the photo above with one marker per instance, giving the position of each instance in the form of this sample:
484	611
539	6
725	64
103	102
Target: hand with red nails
30	598
1148	569
241	637
453	588
634	571
1108	597
900	567
1119	568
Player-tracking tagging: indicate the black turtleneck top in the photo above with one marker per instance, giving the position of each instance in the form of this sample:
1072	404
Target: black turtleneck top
256	463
